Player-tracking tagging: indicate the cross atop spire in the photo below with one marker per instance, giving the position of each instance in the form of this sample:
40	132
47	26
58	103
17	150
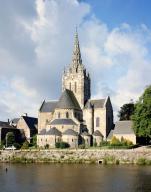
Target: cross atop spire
76	55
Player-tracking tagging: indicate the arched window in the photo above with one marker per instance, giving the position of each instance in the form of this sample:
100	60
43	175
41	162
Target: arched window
75	87
67	115
97	122
59	115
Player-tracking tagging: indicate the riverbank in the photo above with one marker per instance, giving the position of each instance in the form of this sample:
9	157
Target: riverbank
114	156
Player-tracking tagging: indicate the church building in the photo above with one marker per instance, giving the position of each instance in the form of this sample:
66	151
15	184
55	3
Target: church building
75	118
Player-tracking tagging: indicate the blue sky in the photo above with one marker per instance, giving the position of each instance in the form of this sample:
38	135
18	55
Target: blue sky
37	41
115	12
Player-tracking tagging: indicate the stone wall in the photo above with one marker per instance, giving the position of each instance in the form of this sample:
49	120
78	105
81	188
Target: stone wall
77	156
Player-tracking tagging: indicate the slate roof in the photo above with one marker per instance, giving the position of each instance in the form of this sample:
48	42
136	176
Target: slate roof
31	122
53	131
62	122
97	103
123	127
48	106
5	124
70	132
97	133
15	120
68	101
42	132
85	133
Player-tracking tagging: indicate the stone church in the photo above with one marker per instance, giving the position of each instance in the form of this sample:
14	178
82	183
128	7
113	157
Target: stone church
75	118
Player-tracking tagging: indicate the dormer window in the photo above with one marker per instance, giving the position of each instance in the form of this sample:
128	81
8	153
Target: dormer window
67	115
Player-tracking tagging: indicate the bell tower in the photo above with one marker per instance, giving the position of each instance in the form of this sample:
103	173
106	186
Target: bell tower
75	77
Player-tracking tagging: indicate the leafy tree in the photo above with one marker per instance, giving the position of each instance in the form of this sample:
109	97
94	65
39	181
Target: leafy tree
10	138
126	111
142	115
34	141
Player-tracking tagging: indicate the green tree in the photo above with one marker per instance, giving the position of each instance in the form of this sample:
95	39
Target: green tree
10	138
142	115
126	111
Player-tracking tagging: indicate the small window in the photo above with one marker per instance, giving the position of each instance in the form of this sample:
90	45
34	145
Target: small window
72	140
67	115
97	122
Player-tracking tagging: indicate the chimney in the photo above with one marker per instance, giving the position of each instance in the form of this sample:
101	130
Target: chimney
25	115
8	121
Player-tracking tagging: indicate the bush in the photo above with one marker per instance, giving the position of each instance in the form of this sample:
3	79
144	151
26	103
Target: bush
17	145
62	145
104	143
82	146
115	141
25	145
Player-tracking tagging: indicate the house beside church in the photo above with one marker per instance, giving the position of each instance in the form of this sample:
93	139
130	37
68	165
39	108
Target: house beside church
75	118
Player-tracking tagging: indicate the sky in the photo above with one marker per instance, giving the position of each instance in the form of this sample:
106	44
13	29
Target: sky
36	43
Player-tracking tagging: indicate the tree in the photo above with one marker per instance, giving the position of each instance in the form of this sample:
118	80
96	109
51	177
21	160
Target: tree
126	111
10	139
142	115
25	145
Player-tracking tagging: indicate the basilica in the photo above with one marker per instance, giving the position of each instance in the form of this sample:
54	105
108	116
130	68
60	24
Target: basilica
75	118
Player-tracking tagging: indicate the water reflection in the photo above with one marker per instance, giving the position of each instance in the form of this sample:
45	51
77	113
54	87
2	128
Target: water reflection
74	178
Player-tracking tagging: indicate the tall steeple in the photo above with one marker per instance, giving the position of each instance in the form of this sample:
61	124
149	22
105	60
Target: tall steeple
76	55
75	77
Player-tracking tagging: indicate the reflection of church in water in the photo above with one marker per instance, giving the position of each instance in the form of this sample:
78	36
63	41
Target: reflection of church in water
75	118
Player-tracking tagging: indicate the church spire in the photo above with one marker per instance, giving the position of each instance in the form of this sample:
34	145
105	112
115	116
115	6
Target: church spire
76	55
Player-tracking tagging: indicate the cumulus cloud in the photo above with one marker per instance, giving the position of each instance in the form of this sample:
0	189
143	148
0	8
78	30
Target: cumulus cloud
36	43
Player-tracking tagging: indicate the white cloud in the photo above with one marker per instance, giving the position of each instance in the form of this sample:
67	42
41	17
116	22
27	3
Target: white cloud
37	43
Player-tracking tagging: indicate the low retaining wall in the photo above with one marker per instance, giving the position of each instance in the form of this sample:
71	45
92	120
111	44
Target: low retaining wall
77	156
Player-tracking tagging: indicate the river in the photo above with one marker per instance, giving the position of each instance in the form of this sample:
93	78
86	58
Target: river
74	178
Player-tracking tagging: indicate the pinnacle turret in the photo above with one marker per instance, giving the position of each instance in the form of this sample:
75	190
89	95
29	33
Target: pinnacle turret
76	55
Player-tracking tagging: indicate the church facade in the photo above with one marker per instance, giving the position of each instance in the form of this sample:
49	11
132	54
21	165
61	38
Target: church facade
75	118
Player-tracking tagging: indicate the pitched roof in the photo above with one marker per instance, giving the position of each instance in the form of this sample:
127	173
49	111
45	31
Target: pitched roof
85	133
31	122
63	122
42	132
123	127
70	132
5	124
97	133
97	103
15	120
53	131
48	106
68	101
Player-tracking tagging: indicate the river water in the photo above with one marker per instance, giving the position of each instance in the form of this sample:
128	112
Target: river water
74	178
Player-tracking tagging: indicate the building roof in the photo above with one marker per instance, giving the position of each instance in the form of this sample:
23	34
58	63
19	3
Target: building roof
48	106
4	124
53	131
97	103
31	122
123	127
62	122
42	132
97	133
15	120
70	132
85	133
68	101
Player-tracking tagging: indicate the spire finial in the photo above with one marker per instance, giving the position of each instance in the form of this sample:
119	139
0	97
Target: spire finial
76	56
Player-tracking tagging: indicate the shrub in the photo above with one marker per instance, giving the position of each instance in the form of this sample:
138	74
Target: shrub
62	145
17	145
82	146
115	141
25	145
